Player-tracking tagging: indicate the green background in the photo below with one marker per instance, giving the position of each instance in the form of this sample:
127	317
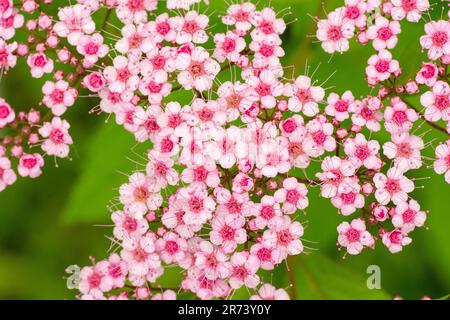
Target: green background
52	222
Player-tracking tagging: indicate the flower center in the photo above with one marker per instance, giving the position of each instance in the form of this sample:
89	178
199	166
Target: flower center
129	224
382	66
341	106
57	136
442	102
267	212
352	12
197	69
352	235
408	216
399	117
439	38
392	186
409	5
362	152
229	45
348	198
94	280
264	254
334	33
141	193
57	96
195	204
319	137
227	233
384	33
172	247
289	126
292	196
29	162
4	112
284	237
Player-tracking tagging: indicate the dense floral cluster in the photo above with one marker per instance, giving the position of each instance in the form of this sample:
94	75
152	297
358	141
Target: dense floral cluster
26	129
226	176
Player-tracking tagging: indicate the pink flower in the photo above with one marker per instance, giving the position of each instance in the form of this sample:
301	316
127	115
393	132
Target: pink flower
399	118
427	74
74	21
320	137
303	96
94	82
437	102
266	211
92	48
163	28
355	10
39	64
238	15
114	270
30	165
292	195
212	261
198	70
381	67
266	255
411	9
335	170
227	231
228	46
58	96
129	11
7	175
363	152
395	240
7	58
340	107
135	40
122	76
126	226
93	281
243	268
392	186
284	235
368	114
171	248
198	205
408	216
7	114
442	163
191	28
437	39
140	256
354	236
266	24
155	87
269	292
57	138
138	196
405	149
335	31
349	199
266	87
383	33
237	204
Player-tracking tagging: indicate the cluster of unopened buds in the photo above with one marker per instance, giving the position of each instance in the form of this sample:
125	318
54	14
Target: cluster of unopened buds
228	173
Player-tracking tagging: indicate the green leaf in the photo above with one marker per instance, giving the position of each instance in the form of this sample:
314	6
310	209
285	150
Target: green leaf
108	155
318	277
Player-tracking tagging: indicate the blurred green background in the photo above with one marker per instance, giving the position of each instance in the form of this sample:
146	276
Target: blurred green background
49	223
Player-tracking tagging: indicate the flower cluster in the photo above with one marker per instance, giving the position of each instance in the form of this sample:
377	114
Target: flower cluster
377	23
28	134
225	179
